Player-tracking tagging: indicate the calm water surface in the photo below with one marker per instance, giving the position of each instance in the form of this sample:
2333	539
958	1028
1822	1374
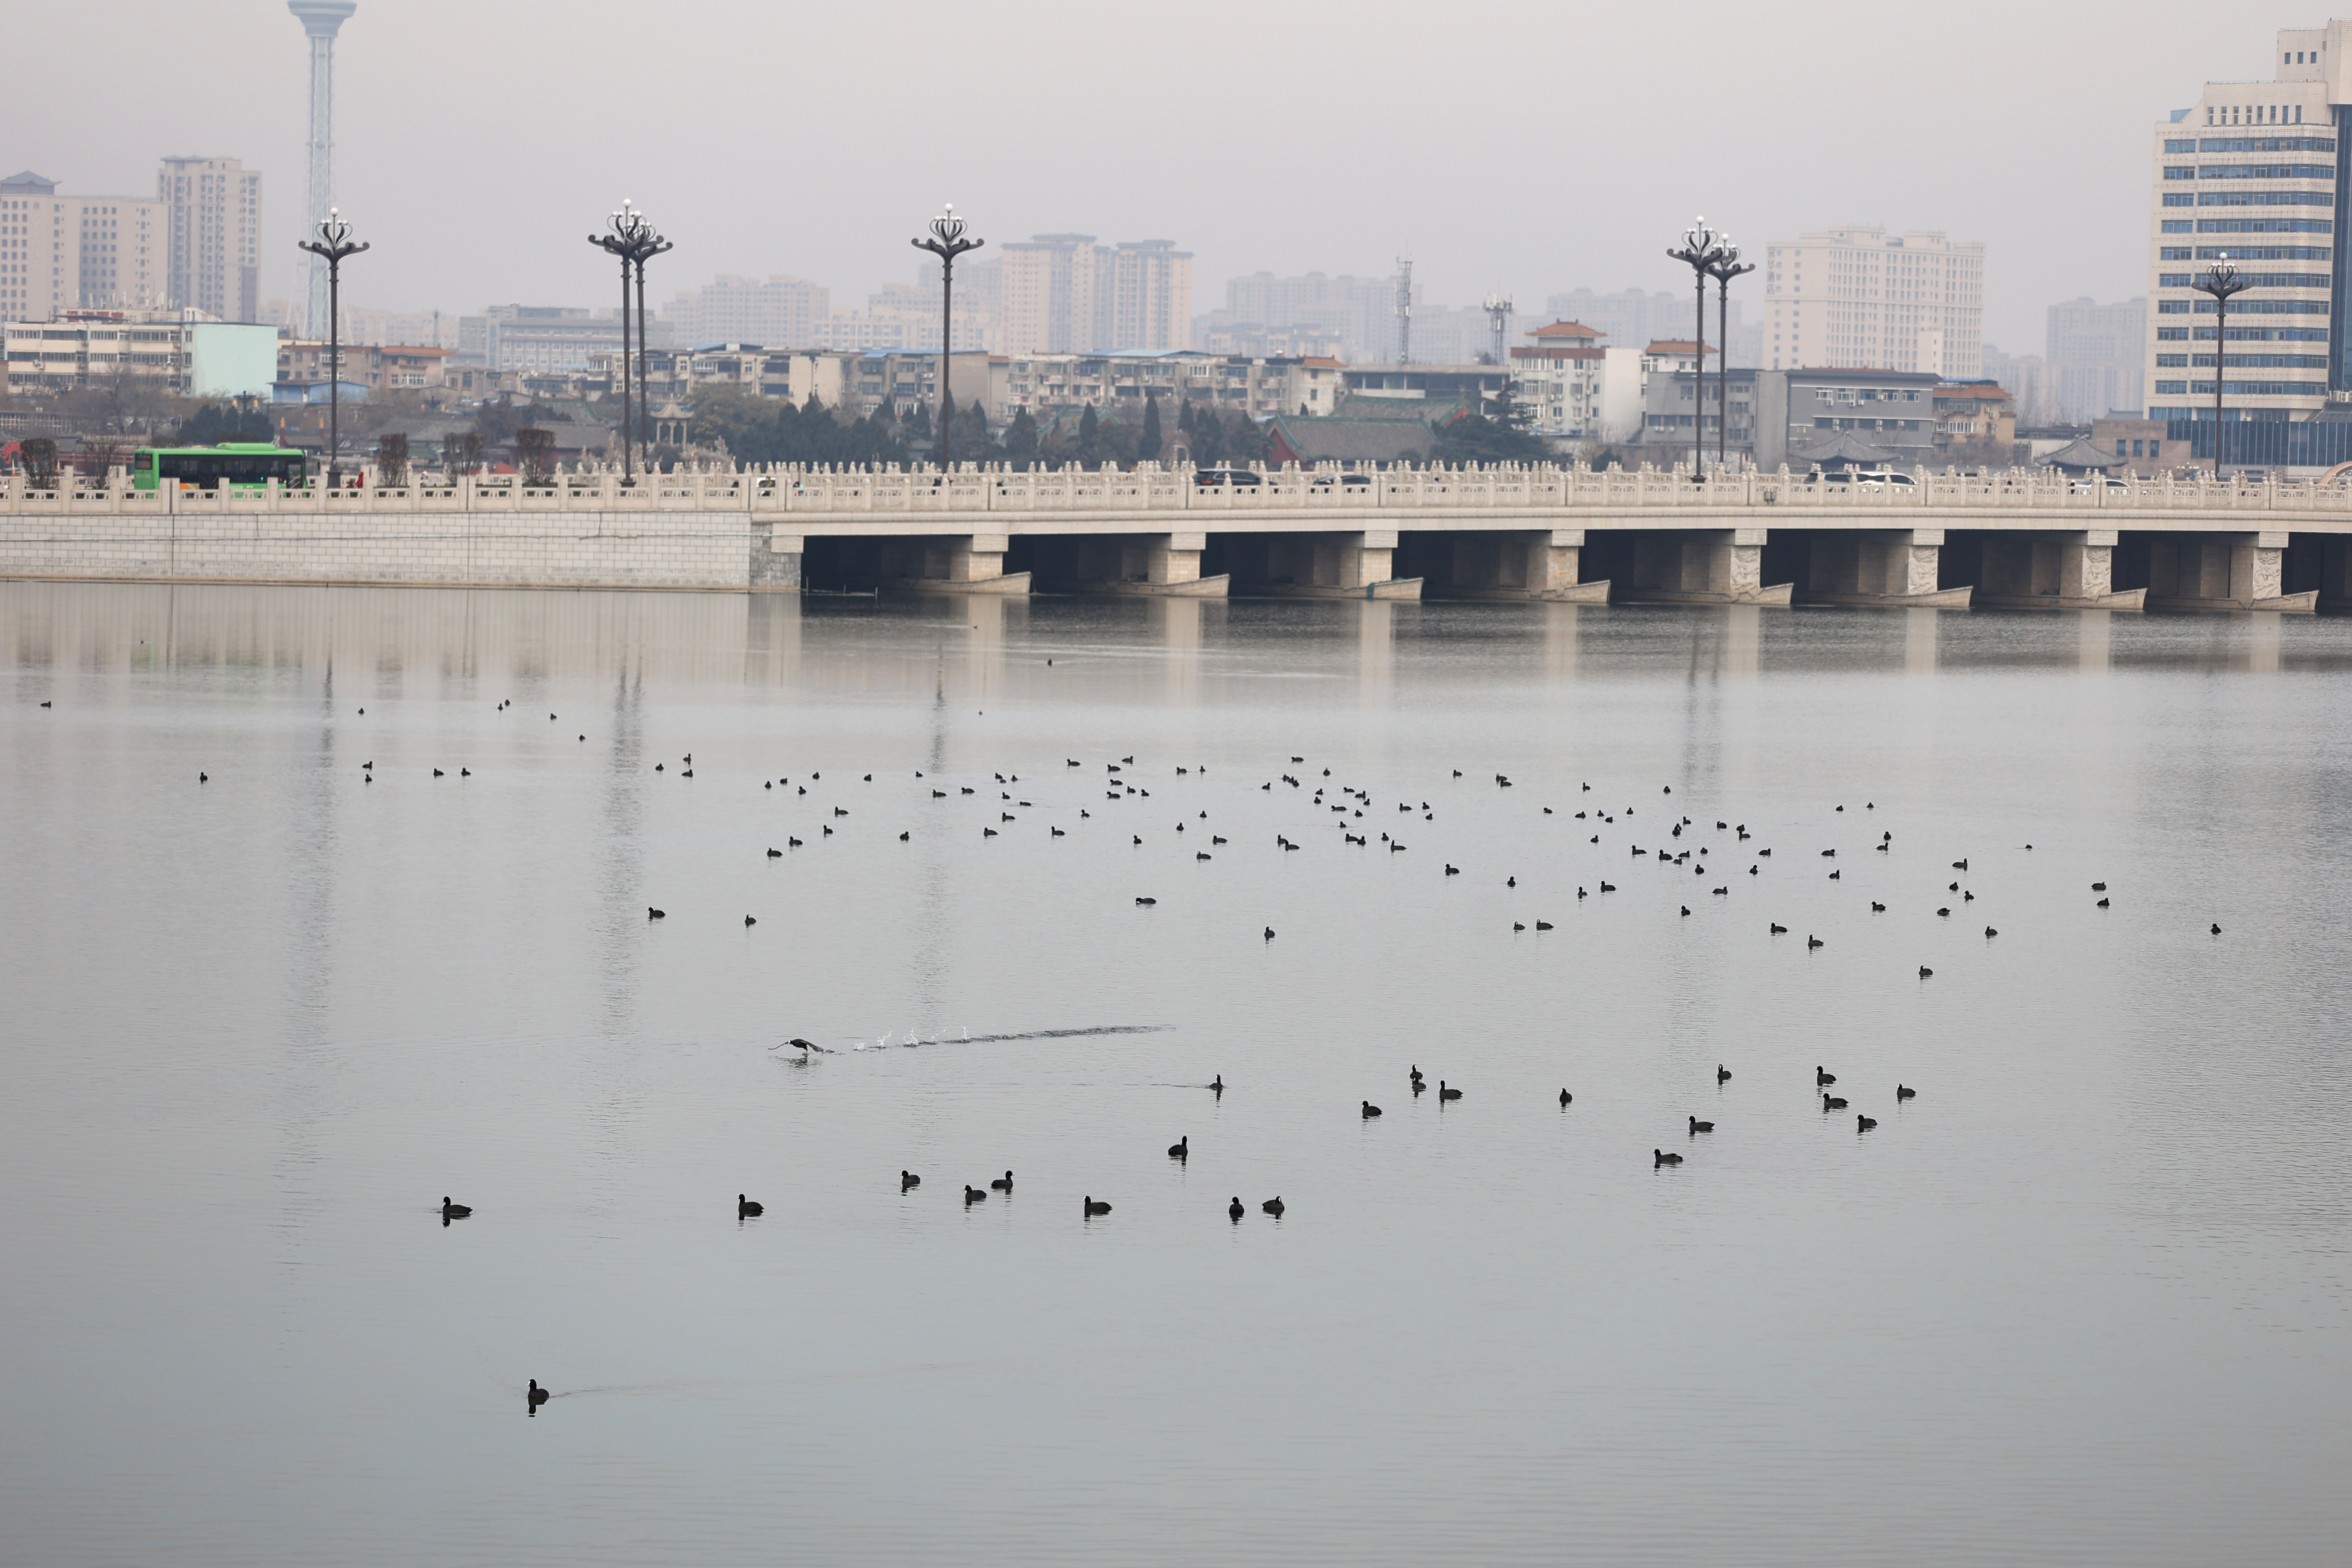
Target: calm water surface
2083	1300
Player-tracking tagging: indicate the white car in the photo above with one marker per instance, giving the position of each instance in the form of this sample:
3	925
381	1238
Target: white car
1868	479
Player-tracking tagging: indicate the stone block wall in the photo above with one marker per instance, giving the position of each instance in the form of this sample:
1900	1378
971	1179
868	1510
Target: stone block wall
533	549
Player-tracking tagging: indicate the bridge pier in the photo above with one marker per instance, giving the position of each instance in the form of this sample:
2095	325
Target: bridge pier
776	560
1502	564
1339	565
1879	566
1156	565
2068	570
1701	566
961	563
2223	572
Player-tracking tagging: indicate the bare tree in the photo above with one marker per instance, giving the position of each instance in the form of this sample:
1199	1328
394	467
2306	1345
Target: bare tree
99	459
120	401
391	460
462	453
40	459
535	456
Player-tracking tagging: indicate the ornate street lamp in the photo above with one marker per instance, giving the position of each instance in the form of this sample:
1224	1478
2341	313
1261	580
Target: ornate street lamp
333	244
627	236
649	245
947	243
1726	267
2222	281
1700	249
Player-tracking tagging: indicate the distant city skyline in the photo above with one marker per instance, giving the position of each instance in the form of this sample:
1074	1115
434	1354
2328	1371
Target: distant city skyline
1244	183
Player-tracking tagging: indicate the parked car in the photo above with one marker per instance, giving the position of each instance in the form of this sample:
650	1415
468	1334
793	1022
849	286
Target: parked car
1866	479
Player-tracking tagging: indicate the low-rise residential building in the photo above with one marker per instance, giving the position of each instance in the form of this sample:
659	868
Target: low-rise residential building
1978	415
1575	389
155	350
1261	388
2143	446
379	367
1479	385
537	339
1798	411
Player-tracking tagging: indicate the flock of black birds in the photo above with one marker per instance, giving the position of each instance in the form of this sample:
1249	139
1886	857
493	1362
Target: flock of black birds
1122	783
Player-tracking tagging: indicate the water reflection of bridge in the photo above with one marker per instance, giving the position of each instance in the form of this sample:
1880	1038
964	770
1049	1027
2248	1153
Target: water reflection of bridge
1538	532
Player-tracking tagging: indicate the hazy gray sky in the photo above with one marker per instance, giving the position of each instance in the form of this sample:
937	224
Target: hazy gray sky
1520	144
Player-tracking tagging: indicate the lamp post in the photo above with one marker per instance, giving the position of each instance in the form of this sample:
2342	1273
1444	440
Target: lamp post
1700	249
627	228
333	244
649	245
1722	269
2222	281
947	243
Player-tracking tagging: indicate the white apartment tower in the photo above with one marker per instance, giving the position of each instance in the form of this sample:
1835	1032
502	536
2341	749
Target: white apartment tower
61	253
1863	299
1151	297
213	247
1064	294
2254	170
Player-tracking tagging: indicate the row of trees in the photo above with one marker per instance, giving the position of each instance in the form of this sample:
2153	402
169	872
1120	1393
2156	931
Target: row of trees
755	429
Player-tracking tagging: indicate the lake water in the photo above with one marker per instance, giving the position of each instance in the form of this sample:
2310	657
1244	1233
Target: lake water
2083	1301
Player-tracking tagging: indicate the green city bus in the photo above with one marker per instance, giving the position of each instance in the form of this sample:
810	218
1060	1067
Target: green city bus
244	464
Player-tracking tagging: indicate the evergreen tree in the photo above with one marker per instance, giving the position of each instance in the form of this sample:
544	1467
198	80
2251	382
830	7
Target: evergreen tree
1208	438
1089	437
1021	439
973	441
1147	450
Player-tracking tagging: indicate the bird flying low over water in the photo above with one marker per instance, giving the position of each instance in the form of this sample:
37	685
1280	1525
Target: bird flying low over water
804	1047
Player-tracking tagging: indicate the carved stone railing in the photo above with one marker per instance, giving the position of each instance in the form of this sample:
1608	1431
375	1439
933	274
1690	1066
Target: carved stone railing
1110	494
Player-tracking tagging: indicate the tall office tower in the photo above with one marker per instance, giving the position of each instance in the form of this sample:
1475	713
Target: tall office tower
213	243
2255	170
1151	297
2094	350
1056	295
59	252
1863	299
322	19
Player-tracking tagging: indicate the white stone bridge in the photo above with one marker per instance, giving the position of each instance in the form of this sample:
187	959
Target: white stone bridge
2024	538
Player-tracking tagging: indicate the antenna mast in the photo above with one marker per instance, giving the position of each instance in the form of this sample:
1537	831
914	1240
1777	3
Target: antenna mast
1498	308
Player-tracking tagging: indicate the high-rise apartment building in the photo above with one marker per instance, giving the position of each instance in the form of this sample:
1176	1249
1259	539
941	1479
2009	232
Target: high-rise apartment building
778	312
1064	294
65	252
2255	170
213	247
1053	284
2096	353
1860	298
1150	297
